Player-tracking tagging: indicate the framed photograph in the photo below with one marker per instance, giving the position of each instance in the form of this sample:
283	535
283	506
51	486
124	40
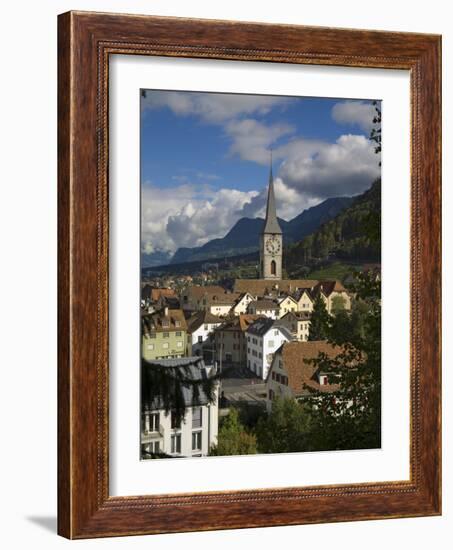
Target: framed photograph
249	275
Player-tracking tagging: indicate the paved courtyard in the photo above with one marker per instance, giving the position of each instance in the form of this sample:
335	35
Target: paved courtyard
240	384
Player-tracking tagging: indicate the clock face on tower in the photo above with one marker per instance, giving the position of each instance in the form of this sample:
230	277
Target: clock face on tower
273	245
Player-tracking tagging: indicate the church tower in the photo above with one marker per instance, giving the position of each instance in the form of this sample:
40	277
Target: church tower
271	242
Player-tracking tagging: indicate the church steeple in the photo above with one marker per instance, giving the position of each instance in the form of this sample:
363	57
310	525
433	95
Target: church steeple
271	224
271	242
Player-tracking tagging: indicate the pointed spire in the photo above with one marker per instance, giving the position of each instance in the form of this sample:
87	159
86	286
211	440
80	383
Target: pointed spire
271	224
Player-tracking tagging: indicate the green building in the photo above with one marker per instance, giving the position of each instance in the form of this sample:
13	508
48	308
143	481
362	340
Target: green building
164	335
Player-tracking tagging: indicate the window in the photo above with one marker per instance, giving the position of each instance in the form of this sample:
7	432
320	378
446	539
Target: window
197	417
179	344
177	323
175	424
275	332
206	327
178	333
154	447
196	441
200	339
152	423
165	345
152	334
273	375
176	444
166	335
273	267
271	343
271	395
150	346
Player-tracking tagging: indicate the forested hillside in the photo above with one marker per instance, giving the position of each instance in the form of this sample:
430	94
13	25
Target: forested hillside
354	234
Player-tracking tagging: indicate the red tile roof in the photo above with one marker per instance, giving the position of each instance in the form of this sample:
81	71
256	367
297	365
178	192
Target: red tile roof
299	372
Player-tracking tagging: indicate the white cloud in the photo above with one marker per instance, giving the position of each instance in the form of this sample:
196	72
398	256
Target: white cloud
251	139
212	107
188	215
356	112
318	170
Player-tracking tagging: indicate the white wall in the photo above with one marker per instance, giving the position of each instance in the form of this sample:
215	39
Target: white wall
28	229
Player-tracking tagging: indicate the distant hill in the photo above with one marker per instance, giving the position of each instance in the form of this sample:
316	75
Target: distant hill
158	257
243	237
353	234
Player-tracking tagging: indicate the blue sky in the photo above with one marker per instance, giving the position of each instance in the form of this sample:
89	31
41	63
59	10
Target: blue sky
205	159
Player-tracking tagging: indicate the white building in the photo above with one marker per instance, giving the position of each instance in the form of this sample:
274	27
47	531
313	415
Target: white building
264	337
286	304
265	308
298	323
201	331
242	303
161	434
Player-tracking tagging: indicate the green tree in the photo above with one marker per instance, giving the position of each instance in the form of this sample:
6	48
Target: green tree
375	134
286	429
350	417
338	304
320	320
233	438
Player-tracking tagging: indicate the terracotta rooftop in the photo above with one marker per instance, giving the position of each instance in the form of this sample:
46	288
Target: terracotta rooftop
157	293
260	287
200	291
328	287
299	373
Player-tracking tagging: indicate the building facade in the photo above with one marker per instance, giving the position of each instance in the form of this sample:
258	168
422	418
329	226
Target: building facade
264	308
231	342
164	335
298	323
264	337
286	304
163	436
201	328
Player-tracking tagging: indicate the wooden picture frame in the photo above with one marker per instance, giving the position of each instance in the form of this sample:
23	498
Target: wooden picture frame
85	41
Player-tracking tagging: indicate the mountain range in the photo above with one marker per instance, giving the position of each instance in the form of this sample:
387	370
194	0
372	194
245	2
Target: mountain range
243	237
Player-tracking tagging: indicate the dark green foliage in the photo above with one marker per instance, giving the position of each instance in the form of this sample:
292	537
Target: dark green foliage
375	134
350	418
163	387
233	438
354	234
286	429
320	321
